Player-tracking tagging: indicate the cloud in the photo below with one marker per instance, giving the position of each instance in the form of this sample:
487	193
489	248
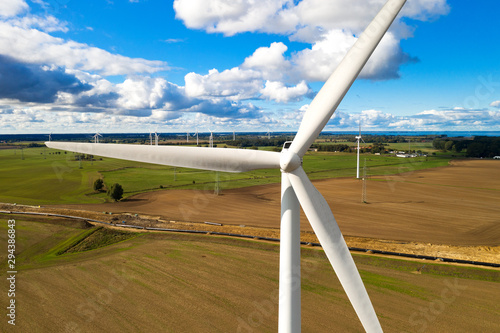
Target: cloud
277	91
425	10
428	120
291	17
37	47
10	8
231	17
61	81
41	121
495	104
318	62
32	83
228	110
330	27
48	23
232	84
262	75
269	61
457	118
173	40
152	93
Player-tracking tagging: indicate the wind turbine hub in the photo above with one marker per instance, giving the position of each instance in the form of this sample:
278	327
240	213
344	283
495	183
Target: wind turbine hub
289	161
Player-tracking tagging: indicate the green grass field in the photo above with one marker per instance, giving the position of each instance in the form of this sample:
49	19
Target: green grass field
40	176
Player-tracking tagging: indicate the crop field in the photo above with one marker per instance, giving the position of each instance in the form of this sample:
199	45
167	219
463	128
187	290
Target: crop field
452	205
152	282
40	176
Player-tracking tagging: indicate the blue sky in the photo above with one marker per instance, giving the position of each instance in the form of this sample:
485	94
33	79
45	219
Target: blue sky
174	66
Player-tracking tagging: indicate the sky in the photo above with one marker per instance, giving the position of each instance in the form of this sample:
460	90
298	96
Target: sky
115	66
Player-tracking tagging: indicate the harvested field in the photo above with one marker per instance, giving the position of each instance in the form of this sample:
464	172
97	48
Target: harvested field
454	205
189	283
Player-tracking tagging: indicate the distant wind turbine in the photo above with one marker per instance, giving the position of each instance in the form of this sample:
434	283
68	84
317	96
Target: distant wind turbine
156	138
358	138
96	137
211	139
296	188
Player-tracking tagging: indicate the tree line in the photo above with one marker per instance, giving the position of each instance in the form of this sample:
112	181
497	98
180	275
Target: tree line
480	146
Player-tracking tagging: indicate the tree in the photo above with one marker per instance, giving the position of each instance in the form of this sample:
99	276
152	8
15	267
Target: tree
438	143
116	192
98	184
378	148
448	145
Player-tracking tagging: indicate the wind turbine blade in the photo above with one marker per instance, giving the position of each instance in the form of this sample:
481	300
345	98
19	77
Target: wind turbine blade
329	97
324	225
215	159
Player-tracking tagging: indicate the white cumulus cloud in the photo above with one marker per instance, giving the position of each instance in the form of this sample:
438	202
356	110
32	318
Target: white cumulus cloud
290	17
331	27
233	84
269	61
12	7
34	46
231	17
427	120
495	104
277	91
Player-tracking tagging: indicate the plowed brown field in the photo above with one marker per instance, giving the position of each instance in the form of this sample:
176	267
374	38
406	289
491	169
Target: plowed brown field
456	205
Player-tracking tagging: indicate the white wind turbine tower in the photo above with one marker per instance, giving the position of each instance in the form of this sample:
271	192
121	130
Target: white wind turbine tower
156	138
150	138
296	188
234	136
187	136
358	138
96	137
211	139
197	137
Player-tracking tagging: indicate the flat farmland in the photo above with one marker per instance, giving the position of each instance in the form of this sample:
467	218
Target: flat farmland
456	205
178	283
41	176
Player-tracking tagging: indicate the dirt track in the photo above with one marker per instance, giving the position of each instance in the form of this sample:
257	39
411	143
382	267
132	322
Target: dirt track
456	205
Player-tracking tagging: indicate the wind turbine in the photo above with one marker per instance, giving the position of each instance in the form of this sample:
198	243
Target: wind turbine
187	136
296	188
96	137
268	134
358	138
211	139
150	138
156	138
